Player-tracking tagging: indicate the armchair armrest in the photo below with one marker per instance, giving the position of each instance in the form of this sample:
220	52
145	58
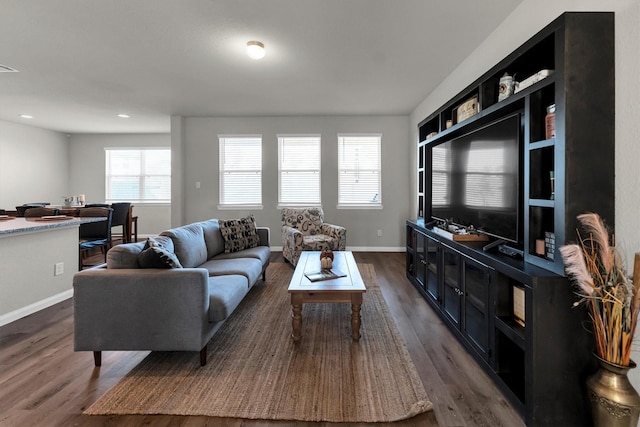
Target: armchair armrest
337	232
292	234
291	244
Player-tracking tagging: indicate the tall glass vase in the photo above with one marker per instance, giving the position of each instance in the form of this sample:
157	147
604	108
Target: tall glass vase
614	401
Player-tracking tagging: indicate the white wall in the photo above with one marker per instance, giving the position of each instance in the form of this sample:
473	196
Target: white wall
87	166
526	20
199	144
34	165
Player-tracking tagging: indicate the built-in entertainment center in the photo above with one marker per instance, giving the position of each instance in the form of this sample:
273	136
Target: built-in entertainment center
503	171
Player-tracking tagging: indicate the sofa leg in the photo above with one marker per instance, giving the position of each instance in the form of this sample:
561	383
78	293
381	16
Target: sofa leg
97	358
203	356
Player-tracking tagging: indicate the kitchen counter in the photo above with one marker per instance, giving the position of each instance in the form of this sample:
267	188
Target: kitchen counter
38	260
27	225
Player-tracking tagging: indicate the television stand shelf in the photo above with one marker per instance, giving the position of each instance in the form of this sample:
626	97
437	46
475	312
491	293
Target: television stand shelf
472	291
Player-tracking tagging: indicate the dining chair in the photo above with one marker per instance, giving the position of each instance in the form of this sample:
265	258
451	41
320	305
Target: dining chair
120	219
94	234
40	212
22	208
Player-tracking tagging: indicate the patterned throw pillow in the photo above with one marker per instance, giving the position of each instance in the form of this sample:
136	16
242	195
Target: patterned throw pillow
239	234
158	253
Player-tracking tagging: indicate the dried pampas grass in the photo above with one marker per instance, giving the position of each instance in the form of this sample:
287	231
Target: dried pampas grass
613	299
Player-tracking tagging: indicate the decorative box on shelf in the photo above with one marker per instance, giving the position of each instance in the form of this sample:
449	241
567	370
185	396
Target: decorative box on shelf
518	305
542	74
550	244
460	235
467	109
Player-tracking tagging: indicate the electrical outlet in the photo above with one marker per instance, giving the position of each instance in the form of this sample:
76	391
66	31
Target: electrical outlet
197	185
379	233
59	269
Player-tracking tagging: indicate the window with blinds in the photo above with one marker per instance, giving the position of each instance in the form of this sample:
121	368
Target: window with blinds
359	171
138	175
299	170
240	170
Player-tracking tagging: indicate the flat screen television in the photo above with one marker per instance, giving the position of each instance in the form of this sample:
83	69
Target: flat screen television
476	179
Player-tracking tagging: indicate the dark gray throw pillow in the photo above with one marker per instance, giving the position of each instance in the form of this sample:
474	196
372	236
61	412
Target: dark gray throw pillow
158	253
239	234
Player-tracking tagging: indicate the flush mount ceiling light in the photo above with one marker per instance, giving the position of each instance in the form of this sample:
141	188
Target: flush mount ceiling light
26	116
124	116
255	49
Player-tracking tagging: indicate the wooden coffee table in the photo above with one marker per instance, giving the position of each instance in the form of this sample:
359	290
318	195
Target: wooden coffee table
343	289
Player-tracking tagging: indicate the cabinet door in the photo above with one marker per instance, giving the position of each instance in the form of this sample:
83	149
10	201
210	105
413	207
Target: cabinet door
432	259
421	262
475	325
452	292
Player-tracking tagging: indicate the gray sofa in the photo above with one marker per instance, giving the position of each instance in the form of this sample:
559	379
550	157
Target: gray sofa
122	306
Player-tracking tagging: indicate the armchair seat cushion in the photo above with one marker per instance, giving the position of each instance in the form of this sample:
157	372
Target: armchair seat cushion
318	242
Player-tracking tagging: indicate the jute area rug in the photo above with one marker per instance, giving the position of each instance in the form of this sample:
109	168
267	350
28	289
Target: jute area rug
255	371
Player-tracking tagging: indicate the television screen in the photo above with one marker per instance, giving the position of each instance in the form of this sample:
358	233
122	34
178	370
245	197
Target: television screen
475	179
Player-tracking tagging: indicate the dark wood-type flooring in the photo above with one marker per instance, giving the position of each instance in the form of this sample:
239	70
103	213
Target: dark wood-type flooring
43	382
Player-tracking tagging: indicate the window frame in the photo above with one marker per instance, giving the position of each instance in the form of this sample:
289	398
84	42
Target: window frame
141	176
297	204
360	205
222	170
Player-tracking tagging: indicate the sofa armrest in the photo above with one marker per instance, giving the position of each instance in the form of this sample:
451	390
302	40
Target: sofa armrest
264	233
140	309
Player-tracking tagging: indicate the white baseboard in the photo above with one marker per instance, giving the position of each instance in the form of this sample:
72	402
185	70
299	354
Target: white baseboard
35	307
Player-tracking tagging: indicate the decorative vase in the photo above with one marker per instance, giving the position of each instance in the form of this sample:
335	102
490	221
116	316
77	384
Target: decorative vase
614	401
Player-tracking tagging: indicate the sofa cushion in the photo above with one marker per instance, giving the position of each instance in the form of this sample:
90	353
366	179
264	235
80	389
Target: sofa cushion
250	268
124	256
189	245
225	293
261	253
212	237
158	253
239	234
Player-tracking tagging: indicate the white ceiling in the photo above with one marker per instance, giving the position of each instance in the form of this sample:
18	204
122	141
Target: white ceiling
81	62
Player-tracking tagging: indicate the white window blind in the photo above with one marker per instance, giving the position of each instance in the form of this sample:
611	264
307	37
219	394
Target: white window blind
359	171
138	175
298	170
440	164
240	170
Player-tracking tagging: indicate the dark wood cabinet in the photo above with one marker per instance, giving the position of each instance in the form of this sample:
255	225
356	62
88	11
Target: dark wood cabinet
465	296
540	365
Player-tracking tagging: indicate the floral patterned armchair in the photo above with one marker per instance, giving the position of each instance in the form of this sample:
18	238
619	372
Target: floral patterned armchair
305	230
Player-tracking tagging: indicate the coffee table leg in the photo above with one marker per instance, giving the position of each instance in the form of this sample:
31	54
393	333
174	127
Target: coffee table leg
355	322
296	321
